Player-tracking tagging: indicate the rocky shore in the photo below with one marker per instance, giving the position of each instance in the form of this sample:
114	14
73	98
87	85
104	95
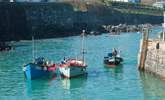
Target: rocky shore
125	28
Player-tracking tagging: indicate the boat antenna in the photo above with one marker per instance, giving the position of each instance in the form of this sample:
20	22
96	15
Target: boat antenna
82	45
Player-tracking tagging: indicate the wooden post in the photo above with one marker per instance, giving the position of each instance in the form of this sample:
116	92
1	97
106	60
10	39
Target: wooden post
144	46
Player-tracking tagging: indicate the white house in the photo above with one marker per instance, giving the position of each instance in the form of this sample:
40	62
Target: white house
133	1
159	4
121	0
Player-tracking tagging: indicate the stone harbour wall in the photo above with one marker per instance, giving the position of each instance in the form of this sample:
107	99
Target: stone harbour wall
155	60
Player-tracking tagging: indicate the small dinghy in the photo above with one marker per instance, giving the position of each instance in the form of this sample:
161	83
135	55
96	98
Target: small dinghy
113	59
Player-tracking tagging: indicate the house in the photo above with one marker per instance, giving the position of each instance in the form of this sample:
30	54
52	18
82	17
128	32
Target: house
150	2
133	1
159	4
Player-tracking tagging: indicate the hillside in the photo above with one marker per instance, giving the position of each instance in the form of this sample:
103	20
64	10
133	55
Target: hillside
134	8
21	20
150	2
122	7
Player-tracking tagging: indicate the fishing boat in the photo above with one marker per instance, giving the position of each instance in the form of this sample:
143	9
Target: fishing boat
38	68
74	67
112	59
5	47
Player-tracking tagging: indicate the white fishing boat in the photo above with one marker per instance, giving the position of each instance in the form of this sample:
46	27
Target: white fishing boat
74	67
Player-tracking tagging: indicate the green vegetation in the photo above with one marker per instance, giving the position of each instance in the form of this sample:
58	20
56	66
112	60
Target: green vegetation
121	7
133	8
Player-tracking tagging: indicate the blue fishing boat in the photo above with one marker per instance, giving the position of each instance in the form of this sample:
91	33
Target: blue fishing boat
39	68
113	59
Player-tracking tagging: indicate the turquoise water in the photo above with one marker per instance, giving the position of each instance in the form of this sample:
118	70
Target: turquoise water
121	83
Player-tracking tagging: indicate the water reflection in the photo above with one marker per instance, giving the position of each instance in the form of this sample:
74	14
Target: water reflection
153	86
38	85
116	72
74	82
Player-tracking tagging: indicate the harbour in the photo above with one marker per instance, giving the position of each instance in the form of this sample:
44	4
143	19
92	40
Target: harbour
121	83
82	50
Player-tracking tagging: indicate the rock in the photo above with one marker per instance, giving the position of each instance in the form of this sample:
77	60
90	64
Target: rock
124	28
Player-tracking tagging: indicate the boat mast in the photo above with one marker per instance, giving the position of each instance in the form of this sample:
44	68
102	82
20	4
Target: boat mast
82	46
33	48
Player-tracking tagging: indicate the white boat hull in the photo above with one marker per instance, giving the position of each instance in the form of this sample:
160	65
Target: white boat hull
72	71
